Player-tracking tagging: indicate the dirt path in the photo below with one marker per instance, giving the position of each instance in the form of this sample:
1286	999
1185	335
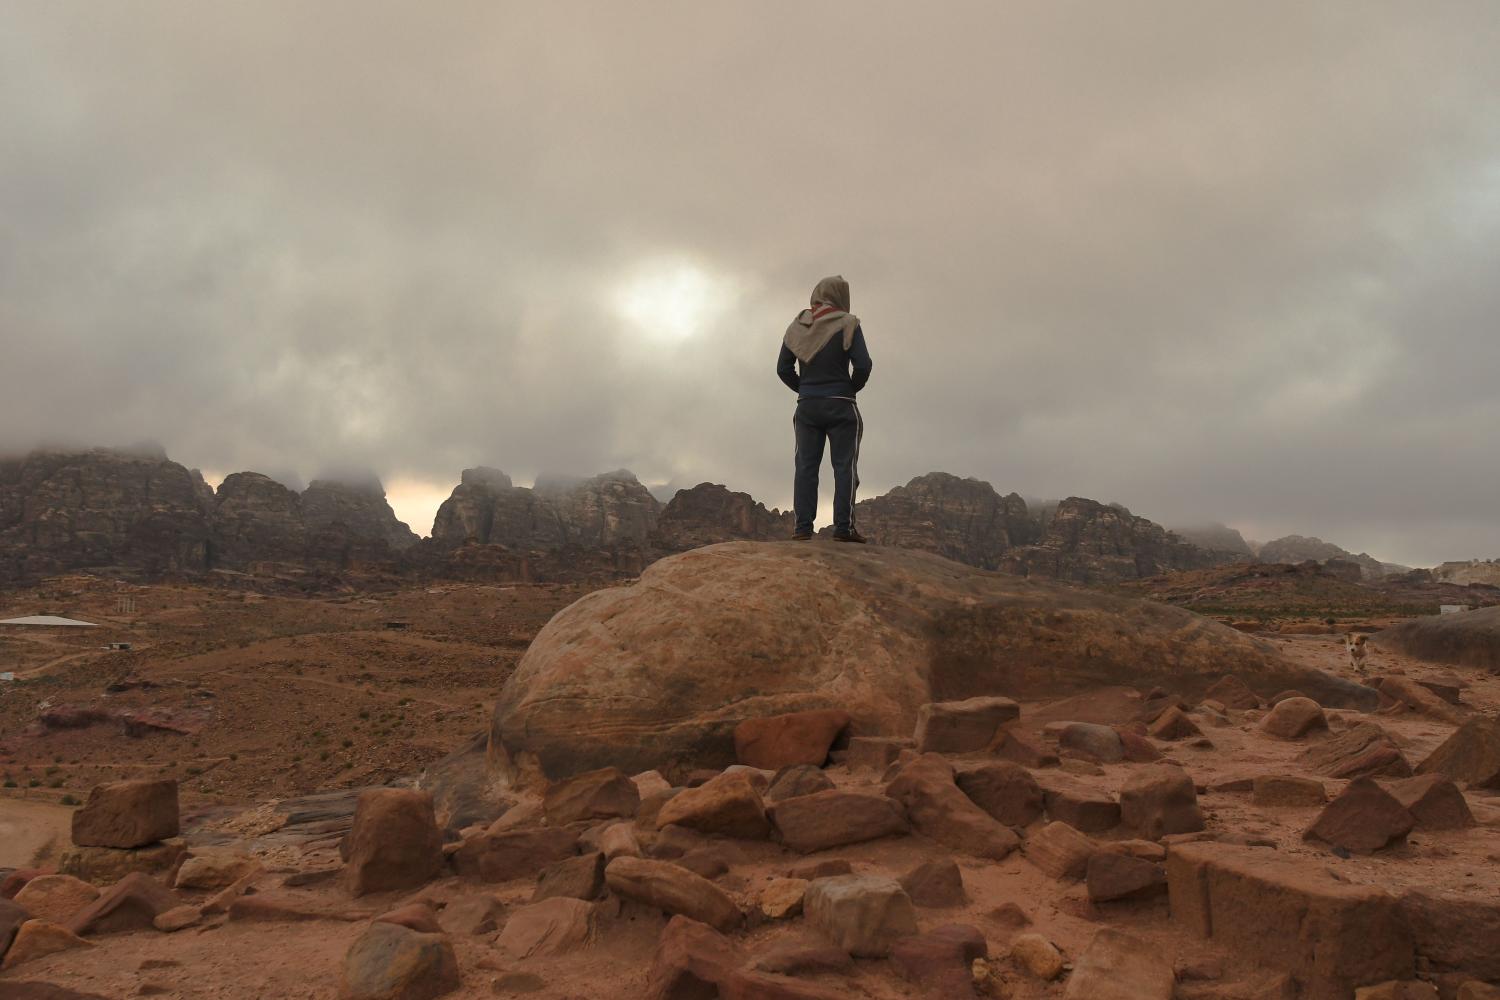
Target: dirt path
29	827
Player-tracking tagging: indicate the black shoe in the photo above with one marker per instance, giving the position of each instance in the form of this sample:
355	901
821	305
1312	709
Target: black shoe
802	536
850	536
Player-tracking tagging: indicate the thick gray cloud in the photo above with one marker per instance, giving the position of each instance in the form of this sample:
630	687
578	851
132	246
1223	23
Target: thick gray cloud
1230	261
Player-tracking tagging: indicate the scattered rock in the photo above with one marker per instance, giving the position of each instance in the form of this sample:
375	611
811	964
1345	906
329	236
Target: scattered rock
1455	932
553	926
1005	790
391	962
796	959
729	805
1294	718
691	961
418	916
55	897
782	897
875	753
500	857
1289	913
1114	876
1173	724
15	880
941	959
799	779
673	889
1363	818
862	914
1365	750
1138	749
213	870
962	726
12	916
709	862
1288	790
1433	800
1159	800
936	883
127	814
1120	966
471	915
1059	850
828	819
177	918
1094	742
603	794
1418	698
1471	754
747	984
779	741
1023	751
619	840
824	868
107	865
37	938
580	877
1037	955
1475	990
938	809
394	842
1232	692
1077	805
133	903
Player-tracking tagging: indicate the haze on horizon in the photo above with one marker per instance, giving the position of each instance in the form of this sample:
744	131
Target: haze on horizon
1215	262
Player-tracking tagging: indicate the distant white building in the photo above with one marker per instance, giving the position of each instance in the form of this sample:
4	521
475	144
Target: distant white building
1452	609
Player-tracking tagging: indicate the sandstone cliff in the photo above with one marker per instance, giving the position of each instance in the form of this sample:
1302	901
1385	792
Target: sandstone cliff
1299	548
136	510
962	519
710	513
1088	542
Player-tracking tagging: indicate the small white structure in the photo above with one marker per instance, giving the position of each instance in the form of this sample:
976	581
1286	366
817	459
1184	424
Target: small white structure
8	676
1452	609
47	620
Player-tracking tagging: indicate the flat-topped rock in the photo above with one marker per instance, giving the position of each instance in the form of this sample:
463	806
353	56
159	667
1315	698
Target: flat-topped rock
127	814
619	678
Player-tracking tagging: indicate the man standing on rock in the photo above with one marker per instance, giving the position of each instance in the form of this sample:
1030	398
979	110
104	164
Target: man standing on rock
825	362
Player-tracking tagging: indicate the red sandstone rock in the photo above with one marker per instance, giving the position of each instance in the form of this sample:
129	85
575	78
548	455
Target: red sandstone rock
1433	800
1232	692
728	805
962	726
692	960
553	926
1077	805
1288	790
127	814
415	916
1289	913
1024	751
799	779
500	857
1173	724
603	794
580	877
1364	818
779	741
673	889
1470	755
875	752
938	809
939	961
391	962
1059	850
833	818
55	897
1119	966
1160	800
936	883
1114	876
1364	750
1294	718
863	914
1005	790
394	842
131	904
1093	742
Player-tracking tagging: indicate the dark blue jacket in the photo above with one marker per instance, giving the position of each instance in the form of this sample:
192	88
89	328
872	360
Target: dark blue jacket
832	372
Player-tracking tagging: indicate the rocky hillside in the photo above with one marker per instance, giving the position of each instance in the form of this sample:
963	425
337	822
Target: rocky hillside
1297	548
965	520
710	513
139	512
1217	538
1089	542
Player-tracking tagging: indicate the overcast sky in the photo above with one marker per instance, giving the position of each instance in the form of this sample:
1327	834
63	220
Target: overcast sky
1213	261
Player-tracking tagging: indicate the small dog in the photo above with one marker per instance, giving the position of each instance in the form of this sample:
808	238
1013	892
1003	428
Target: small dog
1354	642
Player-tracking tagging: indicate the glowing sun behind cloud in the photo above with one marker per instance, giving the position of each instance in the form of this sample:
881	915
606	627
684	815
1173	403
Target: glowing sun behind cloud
672	300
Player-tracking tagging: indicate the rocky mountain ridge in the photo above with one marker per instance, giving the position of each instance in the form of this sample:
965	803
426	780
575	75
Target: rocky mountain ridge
141	513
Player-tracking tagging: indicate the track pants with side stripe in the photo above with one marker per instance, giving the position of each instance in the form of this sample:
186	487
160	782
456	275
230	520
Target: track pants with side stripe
837	422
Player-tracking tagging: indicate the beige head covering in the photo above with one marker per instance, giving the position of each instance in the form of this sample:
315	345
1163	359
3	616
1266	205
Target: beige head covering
829	315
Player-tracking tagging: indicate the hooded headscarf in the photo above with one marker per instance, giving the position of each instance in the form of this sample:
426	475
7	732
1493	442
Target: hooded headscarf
828	316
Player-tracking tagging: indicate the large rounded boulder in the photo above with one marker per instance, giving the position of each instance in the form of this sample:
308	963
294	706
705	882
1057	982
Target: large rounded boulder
660	672
1465	639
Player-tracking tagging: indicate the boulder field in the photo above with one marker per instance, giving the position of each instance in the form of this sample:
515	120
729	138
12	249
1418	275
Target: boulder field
660	672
